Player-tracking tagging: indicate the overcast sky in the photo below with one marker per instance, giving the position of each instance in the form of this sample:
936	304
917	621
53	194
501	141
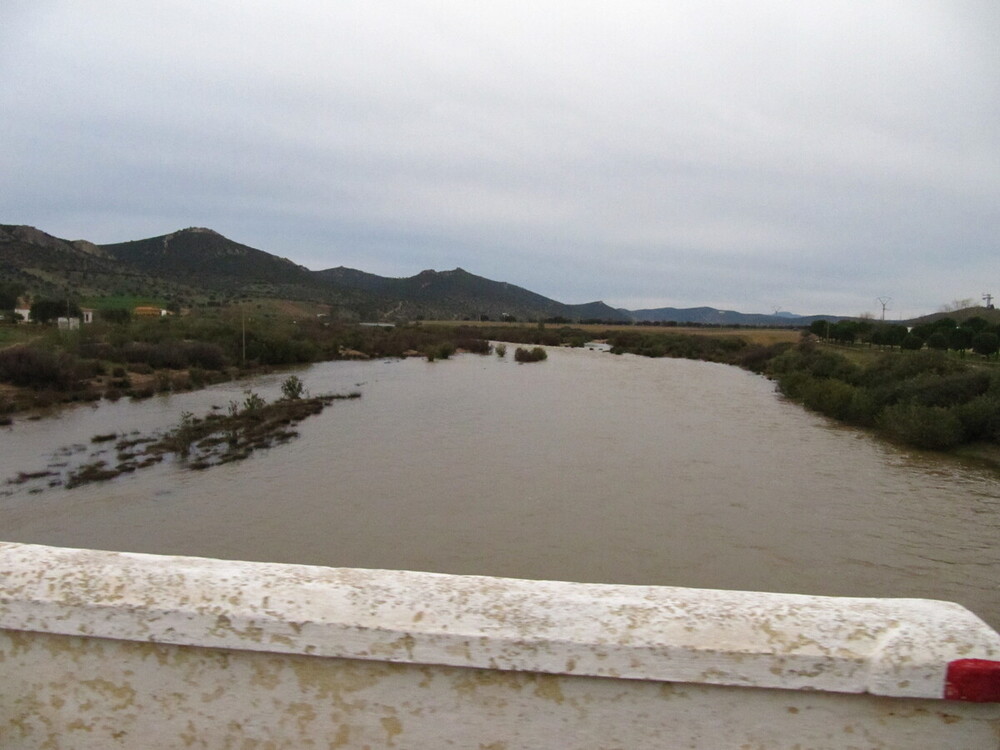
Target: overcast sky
807	156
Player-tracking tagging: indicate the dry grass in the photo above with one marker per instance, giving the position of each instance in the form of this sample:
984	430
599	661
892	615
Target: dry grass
11	335
267	306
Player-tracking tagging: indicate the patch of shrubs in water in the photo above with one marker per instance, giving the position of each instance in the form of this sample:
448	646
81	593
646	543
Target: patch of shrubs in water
202	442
537	354
439	351
472	345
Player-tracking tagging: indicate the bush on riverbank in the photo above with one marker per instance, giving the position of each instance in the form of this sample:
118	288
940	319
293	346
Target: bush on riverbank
925	398
686	346
37	368
178	353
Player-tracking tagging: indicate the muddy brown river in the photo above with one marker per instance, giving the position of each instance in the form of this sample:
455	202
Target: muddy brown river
586	467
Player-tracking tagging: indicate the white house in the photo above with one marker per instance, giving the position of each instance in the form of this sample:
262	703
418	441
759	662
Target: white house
24	310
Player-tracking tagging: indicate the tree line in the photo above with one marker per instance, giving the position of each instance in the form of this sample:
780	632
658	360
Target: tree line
974	334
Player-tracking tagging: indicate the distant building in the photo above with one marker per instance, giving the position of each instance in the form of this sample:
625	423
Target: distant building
23	308
147	311
87	315
68	324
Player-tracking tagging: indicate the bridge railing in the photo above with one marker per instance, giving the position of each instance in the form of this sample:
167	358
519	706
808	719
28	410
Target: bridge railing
111	649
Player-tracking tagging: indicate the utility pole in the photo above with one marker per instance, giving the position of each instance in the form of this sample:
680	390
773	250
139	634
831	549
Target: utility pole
884	301
988	298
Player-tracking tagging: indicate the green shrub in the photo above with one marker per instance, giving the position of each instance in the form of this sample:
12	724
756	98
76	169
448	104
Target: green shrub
537	354
37	368
757	358
985	343
198	377
980	418
793	383
931	427
253	401
205	355
163	382
938	340
864	409
834	398
896	368
99	350
933	389
292	388
474	345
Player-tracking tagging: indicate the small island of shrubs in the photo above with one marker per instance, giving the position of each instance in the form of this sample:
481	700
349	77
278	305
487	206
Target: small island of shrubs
536	354
196	442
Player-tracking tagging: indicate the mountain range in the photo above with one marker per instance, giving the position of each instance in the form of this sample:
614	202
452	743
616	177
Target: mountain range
197	265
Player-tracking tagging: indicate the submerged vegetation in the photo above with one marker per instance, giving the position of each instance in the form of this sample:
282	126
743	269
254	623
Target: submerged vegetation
195	443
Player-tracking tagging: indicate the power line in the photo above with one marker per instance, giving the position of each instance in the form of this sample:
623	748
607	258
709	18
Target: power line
884	301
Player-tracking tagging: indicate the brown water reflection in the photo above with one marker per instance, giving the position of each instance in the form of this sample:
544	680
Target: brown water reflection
587	467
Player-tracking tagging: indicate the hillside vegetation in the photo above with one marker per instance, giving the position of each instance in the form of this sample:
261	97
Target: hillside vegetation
199	267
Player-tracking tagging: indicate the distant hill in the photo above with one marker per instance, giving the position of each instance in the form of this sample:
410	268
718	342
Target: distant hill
54	267
712	316
445	294
203	258
196	265
198	253
959	316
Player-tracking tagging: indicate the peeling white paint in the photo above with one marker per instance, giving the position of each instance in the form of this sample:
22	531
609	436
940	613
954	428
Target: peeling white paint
552	636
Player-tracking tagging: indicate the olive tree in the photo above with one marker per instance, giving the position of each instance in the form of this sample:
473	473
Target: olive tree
986	343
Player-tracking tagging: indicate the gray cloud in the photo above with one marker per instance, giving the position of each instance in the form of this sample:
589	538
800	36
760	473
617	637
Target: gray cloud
749	155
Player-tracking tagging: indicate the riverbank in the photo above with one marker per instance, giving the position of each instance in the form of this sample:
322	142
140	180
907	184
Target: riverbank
139	359
923	399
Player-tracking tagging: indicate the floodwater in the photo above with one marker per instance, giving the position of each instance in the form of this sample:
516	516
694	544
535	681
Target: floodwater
586	467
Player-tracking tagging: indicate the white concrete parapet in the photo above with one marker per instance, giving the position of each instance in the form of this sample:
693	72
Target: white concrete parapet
92	629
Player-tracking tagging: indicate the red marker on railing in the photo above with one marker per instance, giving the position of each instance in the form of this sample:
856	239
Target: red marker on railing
974	680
